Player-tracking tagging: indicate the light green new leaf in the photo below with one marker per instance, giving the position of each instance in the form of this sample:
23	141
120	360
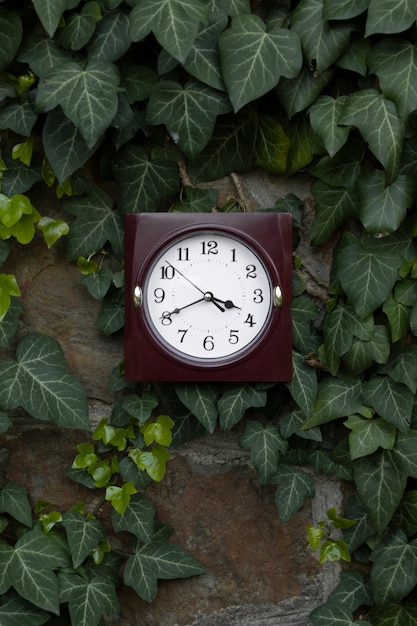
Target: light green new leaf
395	615
138	518
203	61
16	611
111	37
381	482
296	94
83	535
394	573
235	400
188	112
334	205
266	445
144	181
294	485
380	125
382	208
88	597
367	435
367	275
96	223
154	560
201	400
324	118
343	9
335	398
390	16
402	366
175	23
11	36
40	382
399	318
253	59
303	386
322	43
88	96
394	61
14	501
50	13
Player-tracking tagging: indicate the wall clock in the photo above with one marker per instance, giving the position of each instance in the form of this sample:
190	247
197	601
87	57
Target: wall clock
208	297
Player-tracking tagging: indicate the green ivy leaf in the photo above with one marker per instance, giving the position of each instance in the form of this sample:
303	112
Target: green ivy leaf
42	54
154	560
88	96
294	485
88	596
11	36
394	571
40	382
96	223
188	112
272	145
382	208
253	69
324	118
332	615
343	10
50	13
14	501
392	400
399	318
175	23
402	367
78	29
291	424
111	37
15	611
406	515
367	435
322	43
120	496
19	117
380	125
303	312
303	386
111	318
296	94
201	400
389	16
9	324
137	518
266	445
406	452
343	169
363	529
362	354
203	60
381	483
235	400
83	535
334	206
144	181
140	406
395	615
335	398
159	431
52	229
367	274
352	591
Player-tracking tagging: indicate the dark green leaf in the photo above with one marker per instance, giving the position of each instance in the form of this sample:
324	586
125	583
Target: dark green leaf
389	16
111	37
392	400
9	324
335	398
50	13
399	318
303	386
40	382
194	200
362	354
395	615
203	61
352	591
18	177
343	9
88	597
14	501
234	401
138	518
294	485
406	452
16	611
402	367
303	311
333	615
324	118
334	206
363	529
83	535
201	400
42	54
296	94
368	435
138	81
77	31
111	318
355	57
140	406
266	445
253	69
18	117
11	36
272	145
291	424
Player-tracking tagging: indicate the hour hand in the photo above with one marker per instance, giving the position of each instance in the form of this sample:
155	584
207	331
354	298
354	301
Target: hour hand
227	303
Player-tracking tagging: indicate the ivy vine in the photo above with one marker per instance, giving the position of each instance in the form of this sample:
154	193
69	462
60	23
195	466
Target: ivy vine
127	105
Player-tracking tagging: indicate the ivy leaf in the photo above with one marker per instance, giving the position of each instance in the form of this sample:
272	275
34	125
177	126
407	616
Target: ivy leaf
333	615
272	145
252	70
201	400
389	16
380	482
266	445
111	318
229	7
140	406
303	386
382	208
65	147
95	224
175	23
303	311
88	597
11	36
342	10
19	117
324	118
88	96
234	401
298	93
343	169
144	181
352	591
154	560
399	318
335	398
334	206
111	37
15	611
363	528
380	125
40	382
367	274
188	112
367	435
14	501
18	177
9	324
402	367
203	60
294	485
78	29
42	54
50	13
355	57
98	283
406	452
394	573
137	518
394	61
52	230
322	43
83	535
395	615
291	424
362	354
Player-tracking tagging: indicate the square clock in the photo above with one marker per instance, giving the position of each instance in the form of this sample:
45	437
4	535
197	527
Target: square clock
208	297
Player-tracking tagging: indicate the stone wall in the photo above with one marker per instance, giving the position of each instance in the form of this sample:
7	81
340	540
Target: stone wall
260	572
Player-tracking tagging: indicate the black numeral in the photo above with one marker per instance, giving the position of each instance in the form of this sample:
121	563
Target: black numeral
208	343
209	247
166	318
183	333
233	338
167	271
251	271
183	254
249	320
159	295
257	296
233	251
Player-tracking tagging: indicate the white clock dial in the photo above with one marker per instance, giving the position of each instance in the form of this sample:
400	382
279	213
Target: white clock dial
208	297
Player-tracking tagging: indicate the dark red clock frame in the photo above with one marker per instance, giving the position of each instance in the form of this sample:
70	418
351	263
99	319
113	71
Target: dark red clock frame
270	235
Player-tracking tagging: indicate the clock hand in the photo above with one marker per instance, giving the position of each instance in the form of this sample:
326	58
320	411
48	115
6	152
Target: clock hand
227	303
167	314
208	296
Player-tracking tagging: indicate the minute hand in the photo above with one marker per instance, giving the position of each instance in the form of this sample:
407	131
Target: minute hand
208	296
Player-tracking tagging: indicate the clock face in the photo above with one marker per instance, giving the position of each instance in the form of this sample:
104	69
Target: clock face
207	297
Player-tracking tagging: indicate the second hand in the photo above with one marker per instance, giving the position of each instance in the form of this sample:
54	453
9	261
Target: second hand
210	299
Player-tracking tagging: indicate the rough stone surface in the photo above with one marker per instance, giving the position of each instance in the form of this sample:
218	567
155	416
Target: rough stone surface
259	572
